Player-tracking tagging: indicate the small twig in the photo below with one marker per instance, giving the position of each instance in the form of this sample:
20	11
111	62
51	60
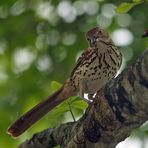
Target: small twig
71	112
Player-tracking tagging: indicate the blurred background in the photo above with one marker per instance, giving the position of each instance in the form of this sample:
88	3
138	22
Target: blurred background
40	41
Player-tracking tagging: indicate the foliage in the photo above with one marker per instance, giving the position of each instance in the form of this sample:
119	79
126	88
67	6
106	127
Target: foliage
39	43
125	7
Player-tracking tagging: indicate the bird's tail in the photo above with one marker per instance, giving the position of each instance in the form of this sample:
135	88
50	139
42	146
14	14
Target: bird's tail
38	111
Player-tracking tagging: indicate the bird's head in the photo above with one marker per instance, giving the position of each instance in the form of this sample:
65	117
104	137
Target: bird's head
96	35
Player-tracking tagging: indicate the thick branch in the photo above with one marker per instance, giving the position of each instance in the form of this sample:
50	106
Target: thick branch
117	109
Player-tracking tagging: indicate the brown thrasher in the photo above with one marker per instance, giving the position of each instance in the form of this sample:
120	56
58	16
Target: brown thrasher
96	66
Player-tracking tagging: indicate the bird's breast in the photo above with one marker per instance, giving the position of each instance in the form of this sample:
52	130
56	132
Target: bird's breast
96	71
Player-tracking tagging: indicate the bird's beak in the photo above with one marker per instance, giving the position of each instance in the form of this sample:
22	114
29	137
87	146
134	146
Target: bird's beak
92	40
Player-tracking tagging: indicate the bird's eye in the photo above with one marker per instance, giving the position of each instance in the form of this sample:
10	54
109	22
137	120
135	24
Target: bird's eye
100	31
88	39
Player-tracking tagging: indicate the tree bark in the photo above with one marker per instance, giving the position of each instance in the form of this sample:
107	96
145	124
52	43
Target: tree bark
116	110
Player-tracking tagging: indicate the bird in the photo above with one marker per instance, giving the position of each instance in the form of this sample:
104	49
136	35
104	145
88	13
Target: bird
98	64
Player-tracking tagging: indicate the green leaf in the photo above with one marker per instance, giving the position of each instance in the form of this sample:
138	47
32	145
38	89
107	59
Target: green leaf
73	99
125	7
56	115
79	104
137	1
58	146
60	109
55	85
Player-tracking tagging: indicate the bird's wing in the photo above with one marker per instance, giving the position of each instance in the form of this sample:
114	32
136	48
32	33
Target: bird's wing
83	58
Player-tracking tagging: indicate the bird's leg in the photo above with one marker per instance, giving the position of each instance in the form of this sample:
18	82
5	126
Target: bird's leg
87	100
81	95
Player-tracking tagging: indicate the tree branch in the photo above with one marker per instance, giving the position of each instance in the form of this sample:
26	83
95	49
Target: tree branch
117	109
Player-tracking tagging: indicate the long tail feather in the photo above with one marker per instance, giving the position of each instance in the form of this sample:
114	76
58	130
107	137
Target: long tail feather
32	116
